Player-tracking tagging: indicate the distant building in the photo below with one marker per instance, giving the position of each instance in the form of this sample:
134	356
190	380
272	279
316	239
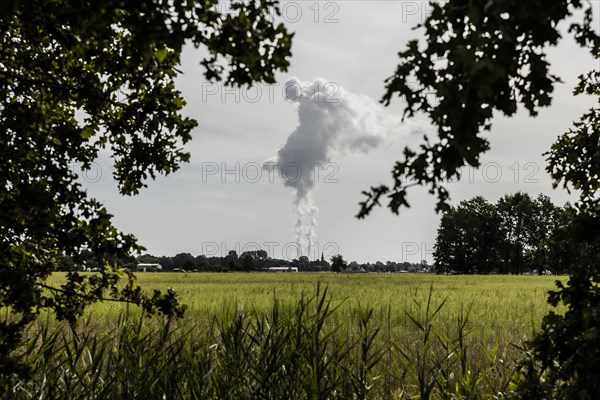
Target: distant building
144	267
283	269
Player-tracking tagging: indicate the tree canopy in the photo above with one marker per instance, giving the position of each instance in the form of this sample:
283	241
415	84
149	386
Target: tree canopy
338	264
78	80
480	237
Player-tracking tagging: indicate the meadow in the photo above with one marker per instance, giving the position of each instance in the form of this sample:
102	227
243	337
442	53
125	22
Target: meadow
297	335
501	306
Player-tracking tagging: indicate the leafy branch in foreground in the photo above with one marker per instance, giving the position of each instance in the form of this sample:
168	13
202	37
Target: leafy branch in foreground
70	299
477	58
83	80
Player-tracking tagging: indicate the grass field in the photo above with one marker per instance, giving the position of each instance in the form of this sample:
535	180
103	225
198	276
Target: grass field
371	336
506	307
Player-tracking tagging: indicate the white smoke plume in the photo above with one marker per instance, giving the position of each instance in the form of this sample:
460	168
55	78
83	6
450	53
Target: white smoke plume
331	122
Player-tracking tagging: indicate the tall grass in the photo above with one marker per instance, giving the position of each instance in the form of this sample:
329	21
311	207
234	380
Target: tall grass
305	350
505	307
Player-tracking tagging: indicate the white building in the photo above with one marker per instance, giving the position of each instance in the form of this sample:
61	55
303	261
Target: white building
145	267
283	269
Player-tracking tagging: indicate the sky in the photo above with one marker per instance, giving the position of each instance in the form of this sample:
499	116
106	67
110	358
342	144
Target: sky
225	199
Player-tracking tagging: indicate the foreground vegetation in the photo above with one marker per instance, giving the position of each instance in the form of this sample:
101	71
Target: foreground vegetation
312	336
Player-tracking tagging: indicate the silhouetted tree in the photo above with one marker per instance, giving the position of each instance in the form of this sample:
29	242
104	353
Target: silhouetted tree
479	237
248	262
338	263
184	261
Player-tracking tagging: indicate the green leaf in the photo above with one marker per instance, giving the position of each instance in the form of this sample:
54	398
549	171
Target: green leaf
87	132
161	54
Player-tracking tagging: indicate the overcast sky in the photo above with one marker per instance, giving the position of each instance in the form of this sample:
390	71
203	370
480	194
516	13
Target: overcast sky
221	200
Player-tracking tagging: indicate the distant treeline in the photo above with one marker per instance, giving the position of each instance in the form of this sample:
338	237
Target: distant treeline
516	235
257	260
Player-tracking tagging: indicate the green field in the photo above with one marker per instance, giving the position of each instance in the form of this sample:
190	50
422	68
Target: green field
233	343
507	307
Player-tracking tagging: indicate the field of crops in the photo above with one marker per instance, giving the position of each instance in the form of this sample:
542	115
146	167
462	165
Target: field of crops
297	335
502	307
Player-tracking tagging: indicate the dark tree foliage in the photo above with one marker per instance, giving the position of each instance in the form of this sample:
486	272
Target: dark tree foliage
184	261
564	360
468	238
338	264
481	57
477	237
251	259
248	262
257	260
81	78
524	224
